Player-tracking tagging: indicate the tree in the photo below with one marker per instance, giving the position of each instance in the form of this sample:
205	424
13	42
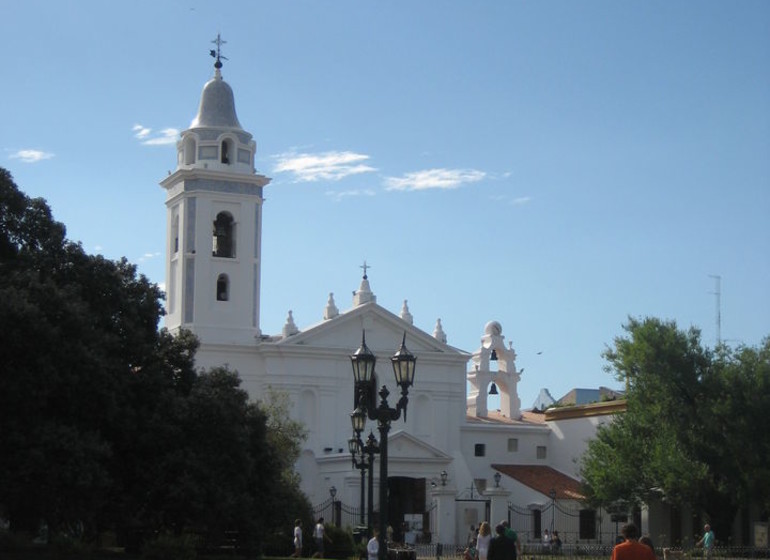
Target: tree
104	421
72	328
693	431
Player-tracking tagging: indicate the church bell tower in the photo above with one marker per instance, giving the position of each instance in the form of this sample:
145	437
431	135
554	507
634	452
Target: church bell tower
214	223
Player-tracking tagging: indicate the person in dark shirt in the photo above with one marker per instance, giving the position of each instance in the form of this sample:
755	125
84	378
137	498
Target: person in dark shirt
501	547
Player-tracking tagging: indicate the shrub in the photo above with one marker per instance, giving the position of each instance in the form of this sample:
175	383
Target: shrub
171	547
14	541
339	543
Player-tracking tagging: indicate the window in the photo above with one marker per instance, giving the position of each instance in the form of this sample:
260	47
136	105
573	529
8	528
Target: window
542	452
225	151
479	450
223	288
224	236
587	524
513	444
189	151
175	228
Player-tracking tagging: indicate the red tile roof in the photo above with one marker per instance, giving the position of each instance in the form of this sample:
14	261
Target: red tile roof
543	479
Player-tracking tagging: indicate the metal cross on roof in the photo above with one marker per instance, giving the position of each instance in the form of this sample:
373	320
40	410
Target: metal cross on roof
217	53
365	267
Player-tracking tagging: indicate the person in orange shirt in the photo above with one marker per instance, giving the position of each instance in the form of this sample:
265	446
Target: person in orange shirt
631	548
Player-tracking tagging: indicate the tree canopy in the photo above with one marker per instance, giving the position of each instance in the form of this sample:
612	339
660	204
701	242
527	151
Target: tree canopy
695	432
104	421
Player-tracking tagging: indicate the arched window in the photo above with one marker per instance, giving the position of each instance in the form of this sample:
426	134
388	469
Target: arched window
175	234
225	151
189	151
223	288
224	236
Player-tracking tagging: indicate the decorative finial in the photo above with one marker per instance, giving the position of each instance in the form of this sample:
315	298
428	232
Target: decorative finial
290	328
331	310
217	53
405	315
365	267
438	332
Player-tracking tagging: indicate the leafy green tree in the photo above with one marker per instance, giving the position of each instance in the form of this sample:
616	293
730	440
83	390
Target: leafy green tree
104	421
693	431
72	328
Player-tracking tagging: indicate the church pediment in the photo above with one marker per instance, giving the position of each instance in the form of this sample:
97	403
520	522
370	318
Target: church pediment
403	445
384	331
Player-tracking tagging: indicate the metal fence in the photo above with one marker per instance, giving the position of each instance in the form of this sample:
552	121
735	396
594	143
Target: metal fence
533	551
338	513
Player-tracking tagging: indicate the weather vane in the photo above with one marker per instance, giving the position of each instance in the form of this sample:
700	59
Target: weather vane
217	53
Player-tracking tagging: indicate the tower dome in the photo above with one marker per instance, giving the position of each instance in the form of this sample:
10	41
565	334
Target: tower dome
217	107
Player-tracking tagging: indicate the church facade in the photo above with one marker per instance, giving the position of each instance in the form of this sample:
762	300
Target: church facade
452	461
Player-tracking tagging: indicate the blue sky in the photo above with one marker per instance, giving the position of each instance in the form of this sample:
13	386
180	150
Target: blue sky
555	166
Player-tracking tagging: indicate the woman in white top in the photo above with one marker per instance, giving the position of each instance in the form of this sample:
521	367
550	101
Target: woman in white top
373	547
482	541
297	538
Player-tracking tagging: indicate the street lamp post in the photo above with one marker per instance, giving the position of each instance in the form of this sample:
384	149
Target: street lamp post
358	455
365	398
371	448
552	493
333	494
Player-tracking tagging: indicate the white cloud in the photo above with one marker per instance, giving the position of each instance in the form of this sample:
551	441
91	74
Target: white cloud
325	166
339	195
162	138
148	256
433	179
31	156
141	132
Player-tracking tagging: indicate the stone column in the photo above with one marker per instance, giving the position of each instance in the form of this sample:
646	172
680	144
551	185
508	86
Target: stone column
446	512
498	498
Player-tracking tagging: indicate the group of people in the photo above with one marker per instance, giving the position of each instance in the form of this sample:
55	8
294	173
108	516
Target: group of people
551	542
504	545
632	546
318	537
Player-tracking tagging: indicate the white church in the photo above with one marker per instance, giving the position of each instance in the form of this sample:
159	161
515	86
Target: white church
453	462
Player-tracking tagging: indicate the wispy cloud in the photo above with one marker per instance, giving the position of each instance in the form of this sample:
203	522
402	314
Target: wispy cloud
31	156
433	179
325	166
520	200
148	256
339	195
146	136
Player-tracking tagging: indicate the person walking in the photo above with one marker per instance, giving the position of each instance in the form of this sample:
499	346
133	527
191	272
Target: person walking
513	537
707	540
297	538
631	548
501	547
318	535
483	540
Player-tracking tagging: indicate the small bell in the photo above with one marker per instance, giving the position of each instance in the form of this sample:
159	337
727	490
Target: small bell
493	389
493	357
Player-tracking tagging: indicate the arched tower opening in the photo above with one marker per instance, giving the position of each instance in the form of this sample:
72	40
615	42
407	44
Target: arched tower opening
224	236
223	288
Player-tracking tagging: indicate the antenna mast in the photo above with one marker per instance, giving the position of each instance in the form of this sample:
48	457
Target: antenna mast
718	294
